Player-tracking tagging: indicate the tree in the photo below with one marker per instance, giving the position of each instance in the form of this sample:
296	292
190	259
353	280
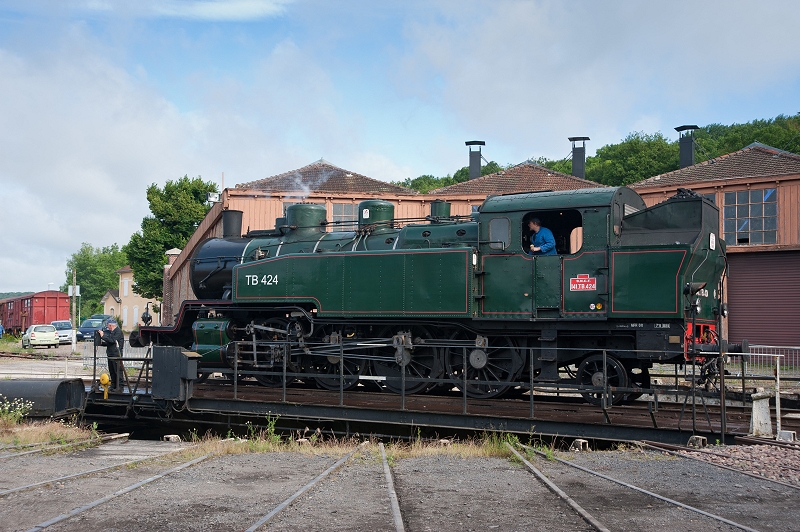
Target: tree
462	174
637	157
176	210
782	132
426	183
96	274
640	156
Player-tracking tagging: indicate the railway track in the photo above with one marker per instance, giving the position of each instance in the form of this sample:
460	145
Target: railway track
668	485
369	489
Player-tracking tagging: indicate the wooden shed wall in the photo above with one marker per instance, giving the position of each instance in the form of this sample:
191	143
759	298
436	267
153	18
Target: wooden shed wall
788	188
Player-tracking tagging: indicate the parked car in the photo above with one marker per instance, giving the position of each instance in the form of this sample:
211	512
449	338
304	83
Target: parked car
100	317
88	328
64	330
42	334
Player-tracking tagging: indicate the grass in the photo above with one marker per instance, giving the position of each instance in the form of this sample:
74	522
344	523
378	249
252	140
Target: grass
9	344
14	431
265	439
43	432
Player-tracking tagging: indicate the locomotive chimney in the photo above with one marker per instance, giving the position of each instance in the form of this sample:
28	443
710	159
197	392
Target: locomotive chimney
579	156
686	143
231	224
475	158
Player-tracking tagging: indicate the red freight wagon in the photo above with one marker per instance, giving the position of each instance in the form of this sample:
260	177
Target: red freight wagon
17	313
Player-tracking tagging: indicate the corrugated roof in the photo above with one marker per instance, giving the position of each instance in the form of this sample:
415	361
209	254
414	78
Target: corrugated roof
525	177
322	176
756	160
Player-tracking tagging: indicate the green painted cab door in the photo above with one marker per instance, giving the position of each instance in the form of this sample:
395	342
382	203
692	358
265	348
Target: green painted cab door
547	286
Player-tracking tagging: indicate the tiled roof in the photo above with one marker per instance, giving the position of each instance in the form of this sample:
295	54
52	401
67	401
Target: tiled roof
322	176
756	160
525	177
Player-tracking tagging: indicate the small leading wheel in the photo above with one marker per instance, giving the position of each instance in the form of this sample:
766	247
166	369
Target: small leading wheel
420	362
590	373
327	361
488	369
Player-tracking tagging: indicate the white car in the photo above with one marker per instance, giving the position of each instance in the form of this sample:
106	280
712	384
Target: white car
45	335
64	330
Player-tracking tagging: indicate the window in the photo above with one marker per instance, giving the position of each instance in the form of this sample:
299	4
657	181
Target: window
751	217
124	316
343	213
125	285
499	233
566	226
711	196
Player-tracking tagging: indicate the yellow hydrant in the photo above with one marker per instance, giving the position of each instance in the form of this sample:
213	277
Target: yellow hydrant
105	384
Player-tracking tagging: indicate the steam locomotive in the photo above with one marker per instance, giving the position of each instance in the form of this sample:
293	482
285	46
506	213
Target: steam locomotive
456	301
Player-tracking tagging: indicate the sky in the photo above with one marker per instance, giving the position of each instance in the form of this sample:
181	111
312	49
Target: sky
101	98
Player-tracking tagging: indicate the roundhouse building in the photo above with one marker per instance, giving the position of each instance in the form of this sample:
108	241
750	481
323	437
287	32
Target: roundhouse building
757	190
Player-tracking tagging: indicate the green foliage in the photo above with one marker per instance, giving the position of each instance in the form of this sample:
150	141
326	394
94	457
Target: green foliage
564	165
426	183
95	269
782	132
176	210
265	439
4	295
640	155
462	174
637	157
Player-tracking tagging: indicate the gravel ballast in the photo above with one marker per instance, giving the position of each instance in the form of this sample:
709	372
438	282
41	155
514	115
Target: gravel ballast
442	492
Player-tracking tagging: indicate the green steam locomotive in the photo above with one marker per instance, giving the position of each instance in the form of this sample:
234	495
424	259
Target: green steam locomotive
459	301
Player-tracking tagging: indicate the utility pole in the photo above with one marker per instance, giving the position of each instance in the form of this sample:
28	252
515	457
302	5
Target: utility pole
74	314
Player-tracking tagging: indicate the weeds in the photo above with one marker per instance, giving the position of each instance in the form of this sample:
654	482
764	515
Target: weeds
13	411
44	432
549	451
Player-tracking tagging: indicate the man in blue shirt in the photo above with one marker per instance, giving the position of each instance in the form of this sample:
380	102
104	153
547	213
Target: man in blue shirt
542	241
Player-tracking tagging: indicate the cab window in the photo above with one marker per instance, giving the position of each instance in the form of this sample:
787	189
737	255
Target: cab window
566	226
499	233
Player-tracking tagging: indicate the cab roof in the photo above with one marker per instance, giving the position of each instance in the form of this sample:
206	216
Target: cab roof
563	199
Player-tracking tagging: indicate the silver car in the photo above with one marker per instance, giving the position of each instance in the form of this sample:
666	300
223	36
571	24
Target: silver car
64	330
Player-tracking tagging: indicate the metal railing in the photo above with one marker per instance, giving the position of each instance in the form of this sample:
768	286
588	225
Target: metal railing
761	361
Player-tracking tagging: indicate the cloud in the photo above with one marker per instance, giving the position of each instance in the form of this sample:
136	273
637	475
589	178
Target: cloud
204	10
529	74
82	140
218	10
378	166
